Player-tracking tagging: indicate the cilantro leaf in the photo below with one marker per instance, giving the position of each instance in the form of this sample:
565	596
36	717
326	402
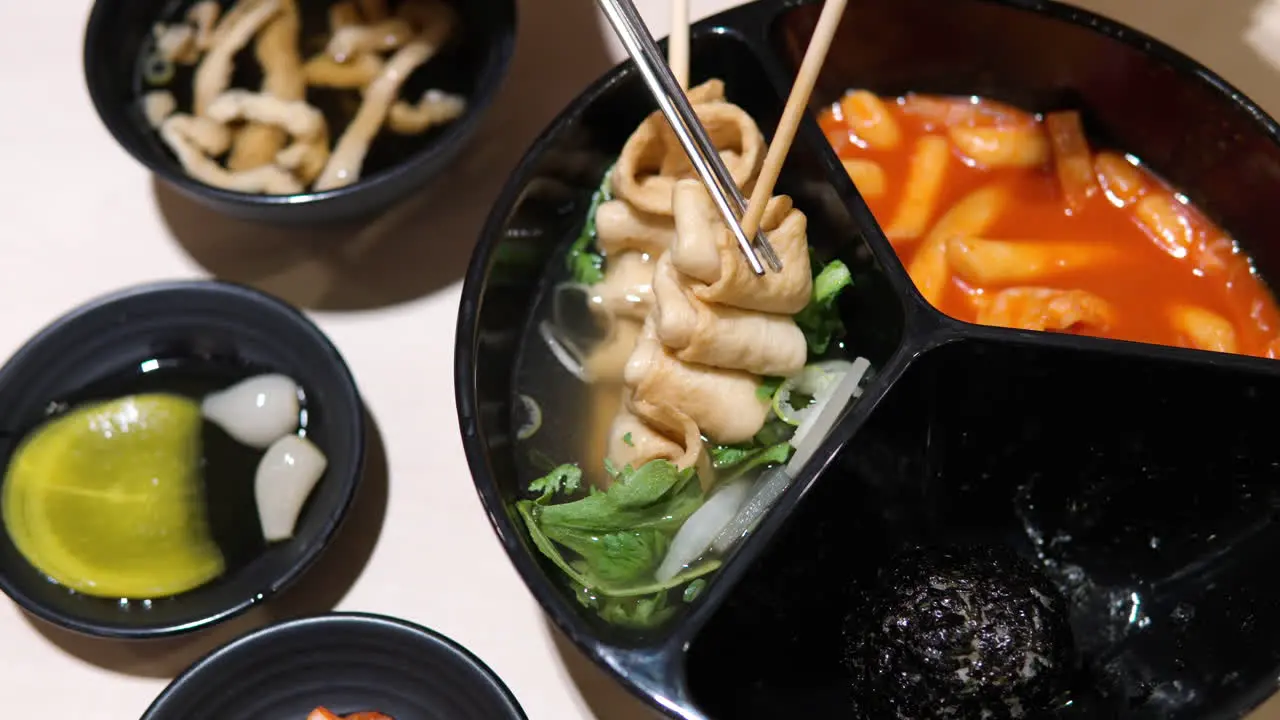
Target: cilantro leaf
768	386
656	496
820	319
641	613
609	542
775	431
566	478
614	558
772	455
727	456
586	265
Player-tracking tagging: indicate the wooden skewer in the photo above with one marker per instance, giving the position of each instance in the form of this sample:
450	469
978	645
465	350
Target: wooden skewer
823	33
678	43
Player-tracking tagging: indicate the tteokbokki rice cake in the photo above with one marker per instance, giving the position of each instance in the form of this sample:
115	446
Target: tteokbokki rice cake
1008	218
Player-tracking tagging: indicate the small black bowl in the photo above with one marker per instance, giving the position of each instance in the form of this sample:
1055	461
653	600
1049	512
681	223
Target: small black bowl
473	65
345	662
228	324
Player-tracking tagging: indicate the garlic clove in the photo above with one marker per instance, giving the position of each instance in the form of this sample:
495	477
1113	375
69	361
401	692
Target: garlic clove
287	473
256	411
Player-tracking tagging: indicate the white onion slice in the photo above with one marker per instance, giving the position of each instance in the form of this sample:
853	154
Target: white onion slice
559	316
570	324
701	528
766	492
825	414
564	351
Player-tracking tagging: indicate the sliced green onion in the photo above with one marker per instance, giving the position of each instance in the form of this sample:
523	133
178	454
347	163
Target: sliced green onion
156	70
532	418
815	381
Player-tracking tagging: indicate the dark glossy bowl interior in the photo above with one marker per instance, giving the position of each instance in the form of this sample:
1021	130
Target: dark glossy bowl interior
225	322
1152	460
473	65
346	662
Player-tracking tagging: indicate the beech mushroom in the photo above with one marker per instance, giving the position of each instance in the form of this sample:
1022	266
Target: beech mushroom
343	14
435	108
203	16
354	74
157	106
297	117
176	43
186	137
237	28
354	40
373	10
208	136
305	158
348	155
276	49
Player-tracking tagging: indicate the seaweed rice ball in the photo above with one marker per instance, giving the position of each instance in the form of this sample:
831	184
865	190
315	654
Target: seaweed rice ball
960	632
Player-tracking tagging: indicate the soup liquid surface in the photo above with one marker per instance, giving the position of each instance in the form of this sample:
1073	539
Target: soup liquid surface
1143	281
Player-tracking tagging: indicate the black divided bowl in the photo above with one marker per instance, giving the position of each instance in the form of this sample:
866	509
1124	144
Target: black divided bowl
1142	478
473	65
233	325
345	662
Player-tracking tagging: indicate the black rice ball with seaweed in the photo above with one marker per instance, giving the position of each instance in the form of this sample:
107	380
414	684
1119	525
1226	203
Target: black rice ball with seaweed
959	632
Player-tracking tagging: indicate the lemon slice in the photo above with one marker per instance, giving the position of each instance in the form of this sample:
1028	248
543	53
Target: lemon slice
107	499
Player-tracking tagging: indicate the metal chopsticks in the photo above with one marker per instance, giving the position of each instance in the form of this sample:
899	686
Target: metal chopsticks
633	33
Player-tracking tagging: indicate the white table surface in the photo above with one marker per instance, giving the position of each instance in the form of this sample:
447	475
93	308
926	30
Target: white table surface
82	218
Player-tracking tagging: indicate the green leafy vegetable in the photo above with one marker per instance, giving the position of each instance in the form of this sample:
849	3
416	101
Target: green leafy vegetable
626	438
724	457
639	613
773	455
565	478
820	319
656	496
617	537
768	386
694	589
586	265
614	558
775	431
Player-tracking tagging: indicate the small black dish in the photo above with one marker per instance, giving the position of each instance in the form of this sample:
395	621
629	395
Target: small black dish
473	65
231	326
1140	478
345	662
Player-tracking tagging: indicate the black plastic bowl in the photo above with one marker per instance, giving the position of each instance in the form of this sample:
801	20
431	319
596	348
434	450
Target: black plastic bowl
232	324
473	65
1152	467
345	662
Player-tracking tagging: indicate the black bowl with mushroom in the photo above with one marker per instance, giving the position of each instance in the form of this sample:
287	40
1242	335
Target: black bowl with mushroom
296	111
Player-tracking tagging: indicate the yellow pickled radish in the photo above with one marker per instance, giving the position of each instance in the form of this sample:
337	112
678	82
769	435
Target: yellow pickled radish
107	500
